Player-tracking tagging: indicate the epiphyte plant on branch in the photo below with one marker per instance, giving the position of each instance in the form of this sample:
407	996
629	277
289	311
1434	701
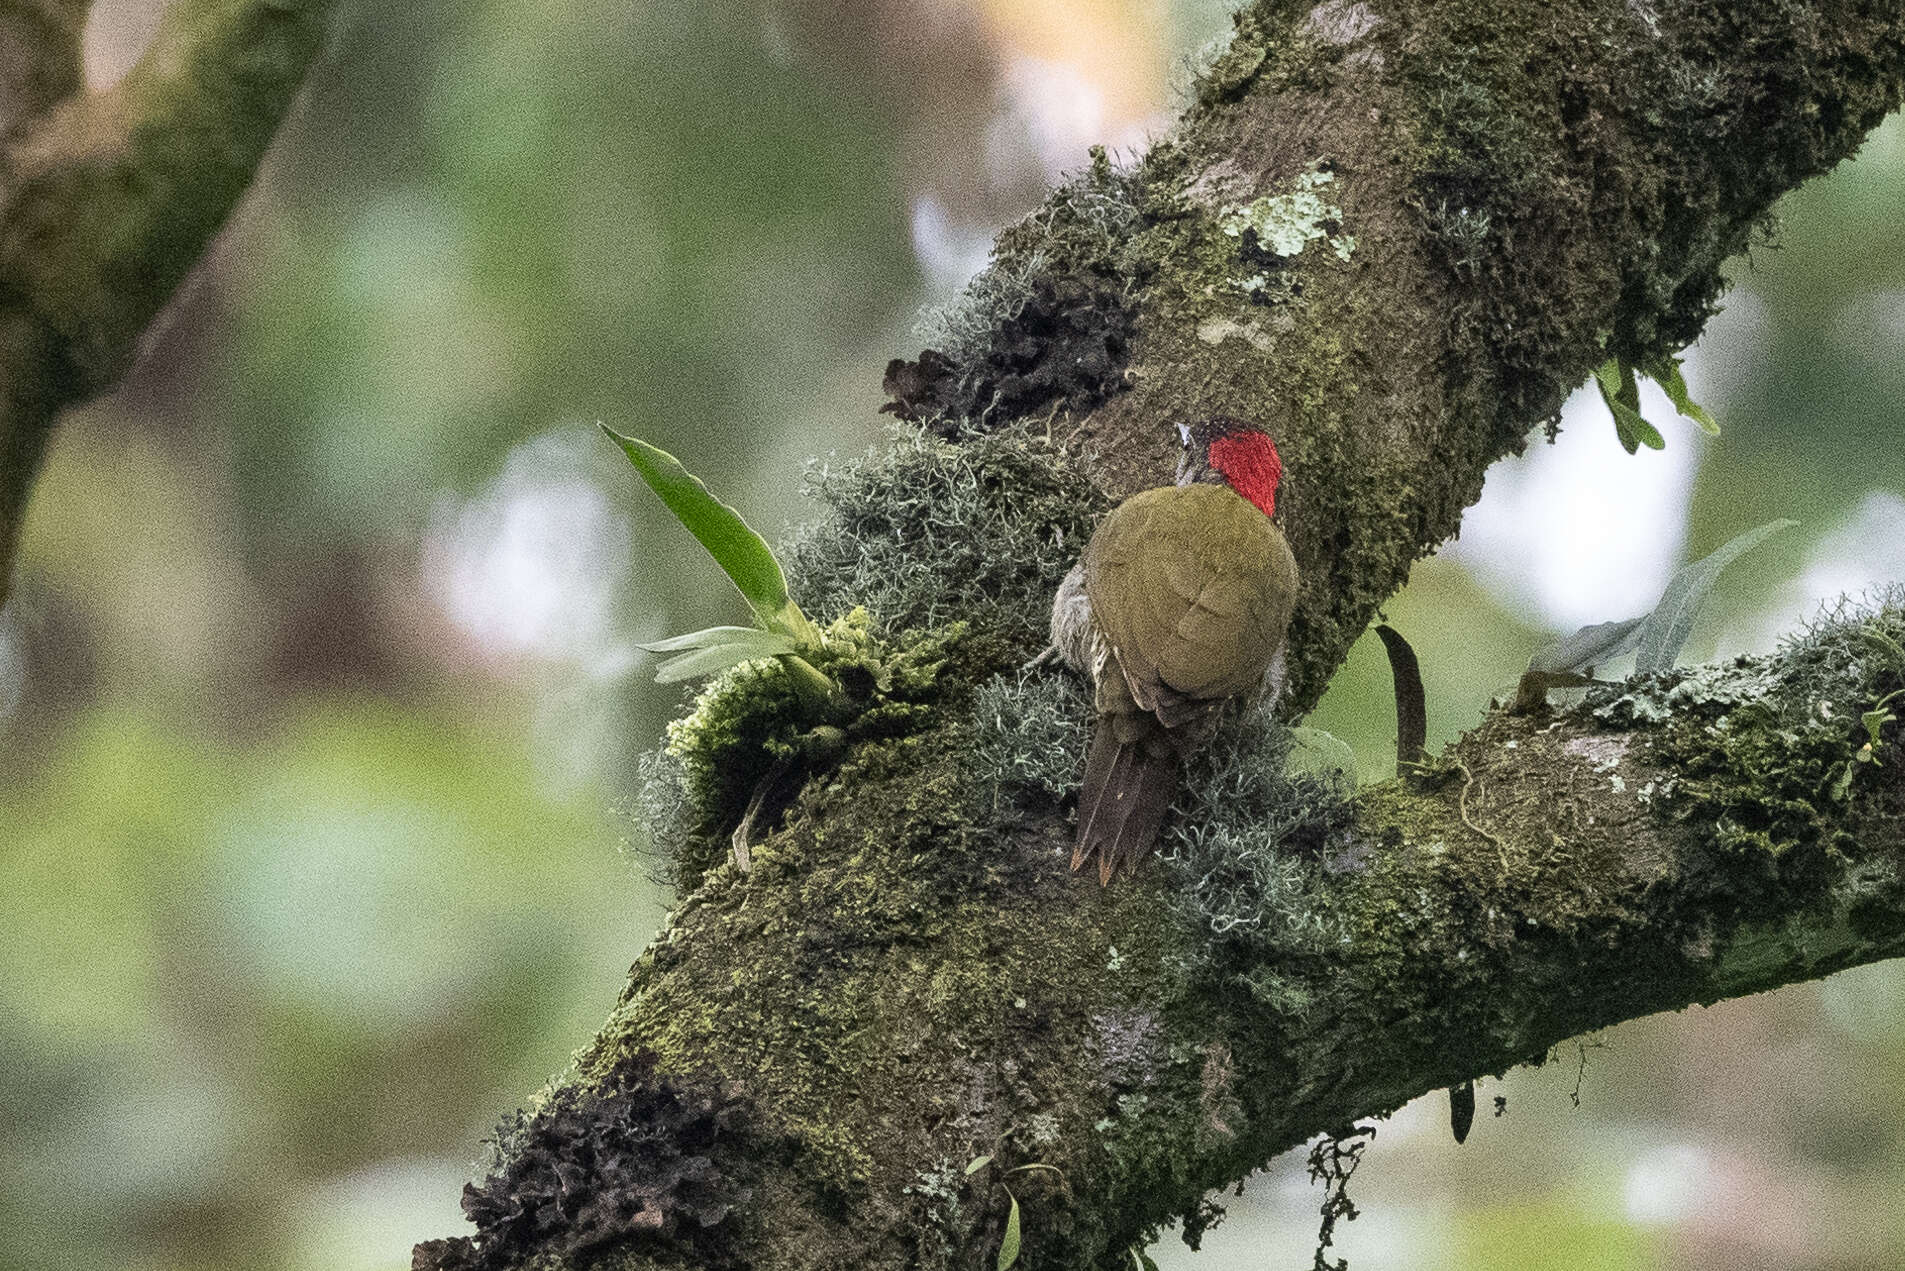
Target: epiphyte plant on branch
780	629
780	632
1179	605
785	698
1655	637
1620	389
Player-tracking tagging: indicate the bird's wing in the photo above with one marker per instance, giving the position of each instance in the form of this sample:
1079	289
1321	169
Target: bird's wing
1193	588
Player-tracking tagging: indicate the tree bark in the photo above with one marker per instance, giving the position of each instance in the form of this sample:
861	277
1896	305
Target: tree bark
108	199
1394	234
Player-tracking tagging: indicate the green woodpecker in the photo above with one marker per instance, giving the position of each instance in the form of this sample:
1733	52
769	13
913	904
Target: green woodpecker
1179	604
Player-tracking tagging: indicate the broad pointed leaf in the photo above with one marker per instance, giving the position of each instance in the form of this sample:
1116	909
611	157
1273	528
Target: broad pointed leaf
1009	1246
741	553
699	662
1664	631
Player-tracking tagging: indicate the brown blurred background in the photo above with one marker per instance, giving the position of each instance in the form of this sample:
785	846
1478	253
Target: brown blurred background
319	700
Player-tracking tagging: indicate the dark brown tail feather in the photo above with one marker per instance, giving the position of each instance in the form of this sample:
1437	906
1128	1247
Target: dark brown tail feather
1128	788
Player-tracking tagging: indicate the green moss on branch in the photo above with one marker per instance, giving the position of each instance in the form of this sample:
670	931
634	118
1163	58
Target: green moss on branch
910	979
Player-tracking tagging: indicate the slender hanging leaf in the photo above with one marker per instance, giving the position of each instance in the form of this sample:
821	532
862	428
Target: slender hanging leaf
741	553
1664	631
1590	646
769	642
1665	372
1412	715
1009	1246
1619	390
1461	1110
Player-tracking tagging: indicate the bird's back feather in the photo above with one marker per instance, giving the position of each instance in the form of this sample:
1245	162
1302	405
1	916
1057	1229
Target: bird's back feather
1190	591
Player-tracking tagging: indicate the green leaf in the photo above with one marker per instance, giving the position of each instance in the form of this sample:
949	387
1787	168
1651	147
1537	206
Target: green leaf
699	662
1615	379
1665	371
742	554
1664	631
1009	1246
717	649
978	1163
1874	721
1318	753
709	637
1588	647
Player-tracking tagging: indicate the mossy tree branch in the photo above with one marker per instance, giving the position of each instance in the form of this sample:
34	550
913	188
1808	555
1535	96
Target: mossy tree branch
1395	233
108	199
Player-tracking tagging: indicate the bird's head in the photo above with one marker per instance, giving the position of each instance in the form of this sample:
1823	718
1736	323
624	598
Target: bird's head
1242	456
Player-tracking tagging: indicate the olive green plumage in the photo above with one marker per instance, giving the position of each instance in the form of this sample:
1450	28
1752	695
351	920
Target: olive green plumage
1187	593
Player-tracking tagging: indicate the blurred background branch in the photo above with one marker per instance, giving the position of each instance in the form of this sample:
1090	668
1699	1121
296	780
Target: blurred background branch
319	697
109	198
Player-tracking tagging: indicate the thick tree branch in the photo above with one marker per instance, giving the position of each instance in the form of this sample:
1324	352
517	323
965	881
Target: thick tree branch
110	198
39	55
1395	234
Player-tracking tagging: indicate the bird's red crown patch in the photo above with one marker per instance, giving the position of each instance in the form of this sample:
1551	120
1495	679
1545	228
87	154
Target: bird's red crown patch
1249	461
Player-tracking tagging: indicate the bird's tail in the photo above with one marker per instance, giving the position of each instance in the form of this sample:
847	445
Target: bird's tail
1130	779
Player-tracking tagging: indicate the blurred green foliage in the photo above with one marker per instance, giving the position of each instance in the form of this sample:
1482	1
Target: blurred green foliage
307	881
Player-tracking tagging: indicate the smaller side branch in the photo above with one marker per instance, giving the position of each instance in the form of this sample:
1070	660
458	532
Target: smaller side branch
107	200
39	55
113	196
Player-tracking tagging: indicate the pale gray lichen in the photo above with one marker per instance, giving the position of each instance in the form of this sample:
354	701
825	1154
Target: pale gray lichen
930	532
662	813
1029	732
1247	836
1342	22
1287	223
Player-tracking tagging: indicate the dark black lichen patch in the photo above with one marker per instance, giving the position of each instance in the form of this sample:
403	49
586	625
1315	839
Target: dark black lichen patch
636	1156
1064	342
1047	325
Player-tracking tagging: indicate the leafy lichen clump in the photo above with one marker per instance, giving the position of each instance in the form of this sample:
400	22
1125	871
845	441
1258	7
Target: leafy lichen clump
1284	224
1765	751
750	719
